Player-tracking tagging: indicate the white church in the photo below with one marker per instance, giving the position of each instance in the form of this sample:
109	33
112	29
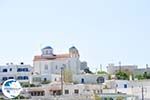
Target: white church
48	67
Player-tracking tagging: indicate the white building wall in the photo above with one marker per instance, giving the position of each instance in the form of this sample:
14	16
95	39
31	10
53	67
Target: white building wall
88	78
12	71
111	69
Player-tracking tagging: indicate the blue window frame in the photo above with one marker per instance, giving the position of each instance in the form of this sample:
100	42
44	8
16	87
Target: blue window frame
19	69
125	86
82	80
10	69
22	70
25	69
4	70
4	78
11	77
23	78
26	78
19	78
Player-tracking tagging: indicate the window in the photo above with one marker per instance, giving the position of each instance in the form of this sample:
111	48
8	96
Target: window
46	67
22	70
116	85
82	80
47	52
125	86
66	91
76	91
10	69
26	78
11	77
19	70
4	78
20	78
45	79
4	70
25	69
100	80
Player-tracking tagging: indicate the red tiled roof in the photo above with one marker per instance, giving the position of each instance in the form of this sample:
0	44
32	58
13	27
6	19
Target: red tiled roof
59	56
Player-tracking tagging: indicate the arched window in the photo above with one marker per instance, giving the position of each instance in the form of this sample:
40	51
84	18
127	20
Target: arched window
45	79
100	80
46	67
82	80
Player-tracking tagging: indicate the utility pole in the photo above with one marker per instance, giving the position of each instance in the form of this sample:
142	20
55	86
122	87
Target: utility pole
142	93
61	80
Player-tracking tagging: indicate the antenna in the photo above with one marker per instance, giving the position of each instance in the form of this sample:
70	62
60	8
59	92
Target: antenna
101	67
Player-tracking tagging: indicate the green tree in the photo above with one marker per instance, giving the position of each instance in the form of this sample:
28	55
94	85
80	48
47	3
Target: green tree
139	77
101	72
122	75
145	75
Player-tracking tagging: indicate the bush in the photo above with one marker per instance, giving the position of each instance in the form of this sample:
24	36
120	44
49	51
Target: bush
101	72
28	85
122	75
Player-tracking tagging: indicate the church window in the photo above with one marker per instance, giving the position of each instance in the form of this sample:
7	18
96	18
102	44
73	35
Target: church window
46	67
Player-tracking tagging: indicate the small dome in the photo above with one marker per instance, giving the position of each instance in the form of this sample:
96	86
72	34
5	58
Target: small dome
73	47
48	47
48	50
73	51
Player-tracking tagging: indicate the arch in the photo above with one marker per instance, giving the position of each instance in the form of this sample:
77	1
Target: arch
82	80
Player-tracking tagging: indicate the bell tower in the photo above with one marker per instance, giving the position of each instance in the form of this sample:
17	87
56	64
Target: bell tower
74	52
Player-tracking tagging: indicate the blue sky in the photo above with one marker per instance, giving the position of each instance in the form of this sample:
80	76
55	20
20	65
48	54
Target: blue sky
104	31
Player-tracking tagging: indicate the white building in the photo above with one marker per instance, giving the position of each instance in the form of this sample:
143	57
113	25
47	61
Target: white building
112	69
48	66
89	78
70	91
136	88
21	72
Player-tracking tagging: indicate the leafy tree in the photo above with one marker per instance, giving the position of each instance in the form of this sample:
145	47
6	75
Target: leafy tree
122	75
144	76
87	71
101	72
139	77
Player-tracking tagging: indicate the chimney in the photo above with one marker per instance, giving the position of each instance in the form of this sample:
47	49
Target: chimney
22	63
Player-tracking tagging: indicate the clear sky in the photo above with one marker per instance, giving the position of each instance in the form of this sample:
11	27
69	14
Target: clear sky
104	31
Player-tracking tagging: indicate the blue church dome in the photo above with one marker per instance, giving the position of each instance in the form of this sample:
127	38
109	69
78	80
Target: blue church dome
48	47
